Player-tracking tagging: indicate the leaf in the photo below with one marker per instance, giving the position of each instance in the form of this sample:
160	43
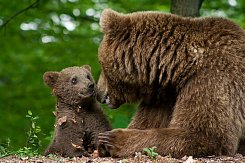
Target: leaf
33	125
153	148
154	154
62	120
76	146
147	150
35	118
29	112
150	152
55	113
38	129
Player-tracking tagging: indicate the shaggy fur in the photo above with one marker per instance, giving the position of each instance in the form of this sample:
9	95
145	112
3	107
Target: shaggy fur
79	119
187	73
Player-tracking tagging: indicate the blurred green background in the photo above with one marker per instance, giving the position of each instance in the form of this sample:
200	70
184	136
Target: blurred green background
55	34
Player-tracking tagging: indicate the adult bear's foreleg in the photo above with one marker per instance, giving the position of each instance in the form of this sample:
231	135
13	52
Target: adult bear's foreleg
148	117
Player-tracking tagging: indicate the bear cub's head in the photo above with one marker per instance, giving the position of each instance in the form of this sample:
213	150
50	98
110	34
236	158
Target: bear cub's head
73	85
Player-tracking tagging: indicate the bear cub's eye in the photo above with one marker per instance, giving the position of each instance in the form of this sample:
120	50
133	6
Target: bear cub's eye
88	77
74	80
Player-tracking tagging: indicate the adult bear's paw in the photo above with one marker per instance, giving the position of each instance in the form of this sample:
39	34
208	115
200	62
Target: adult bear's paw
116	142
110	141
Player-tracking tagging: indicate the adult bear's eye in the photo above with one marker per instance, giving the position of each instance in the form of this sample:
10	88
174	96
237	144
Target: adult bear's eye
74	80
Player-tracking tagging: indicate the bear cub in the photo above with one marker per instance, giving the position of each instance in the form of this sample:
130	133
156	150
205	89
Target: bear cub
79	119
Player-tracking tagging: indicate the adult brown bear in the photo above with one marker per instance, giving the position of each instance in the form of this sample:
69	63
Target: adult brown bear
187	73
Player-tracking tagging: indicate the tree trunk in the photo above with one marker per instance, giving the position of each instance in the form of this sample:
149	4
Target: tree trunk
189	8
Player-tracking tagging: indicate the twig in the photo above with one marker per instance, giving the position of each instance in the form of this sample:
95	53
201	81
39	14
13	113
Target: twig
33	5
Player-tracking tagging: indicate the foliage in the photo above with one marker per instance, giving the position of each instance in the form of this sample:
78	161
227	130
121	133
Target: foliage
33	143
26	152
151	152
5	148
56	34
233	9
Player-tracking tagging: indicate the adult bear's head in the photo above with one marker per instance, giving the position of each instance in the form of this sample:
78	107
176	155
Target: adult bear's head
130	56
121	77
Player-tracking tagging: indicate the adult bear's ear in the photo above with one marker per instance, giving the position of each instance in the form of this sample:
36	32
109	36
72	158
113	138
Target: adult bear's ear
111	22
50	78
87	67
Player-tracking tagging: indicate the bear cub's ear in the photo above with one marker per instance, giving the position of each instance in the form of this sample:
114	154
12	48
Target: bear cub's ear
50	78
87	67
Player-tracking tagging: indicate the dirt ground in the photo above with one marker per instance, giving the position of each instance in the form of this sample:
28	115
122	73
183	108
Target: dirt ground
139	158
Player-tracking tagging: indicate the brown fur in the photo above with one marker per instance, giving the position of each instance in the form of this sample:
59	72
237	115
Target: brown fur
187	73
79	119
